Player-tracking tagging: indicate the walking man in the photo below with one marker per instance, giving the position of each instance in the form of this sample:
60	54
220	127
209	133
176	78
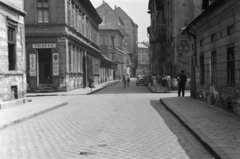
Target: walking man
124	81
128	80
182	79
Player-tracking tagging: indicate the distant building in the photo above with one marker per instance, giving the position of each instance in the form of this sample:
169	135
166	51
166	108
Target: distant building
62	40
112	39
12	50
143	59
132	39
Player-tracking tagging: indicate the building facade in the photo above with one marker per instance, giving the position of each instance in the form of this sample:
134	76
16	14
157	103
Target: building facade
178	14
215	58
112	39
62	41
143	59
12	50
157	37
132	38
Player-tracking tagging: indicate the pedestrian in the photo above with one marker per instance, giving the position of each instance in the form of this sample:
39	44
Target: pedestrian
128	80
124	80
154	78
182	79
91	83
151	79
164	82
168	82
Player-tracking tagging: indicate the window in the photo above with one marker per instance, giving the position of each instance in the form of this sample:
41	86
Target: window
80	22
70	59
214	67
112	41
43	11
11	48
230	66
201	42
202	68
230	30
213	37
69	12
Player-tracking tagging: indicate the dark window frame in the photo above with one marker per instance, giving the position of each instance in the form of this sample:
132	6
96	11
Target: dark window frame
214	67
201	58
12	44
230	66
43	9
230	29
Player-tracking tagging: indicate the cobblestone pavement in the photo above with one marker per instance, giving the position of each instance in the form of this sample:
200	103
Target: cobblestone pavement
115	123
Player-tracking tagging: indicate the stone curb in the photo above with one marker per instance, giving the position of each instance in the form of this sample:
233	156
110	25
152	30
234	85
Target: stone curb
206	142
94	91
32	116
44	95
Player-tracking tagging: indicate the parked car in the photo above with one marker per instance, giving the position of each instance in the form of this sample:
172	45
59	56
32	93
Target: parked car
142	79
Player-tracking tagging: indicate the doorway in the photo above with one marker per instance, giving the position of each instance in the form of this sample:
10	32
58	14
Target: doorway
45	67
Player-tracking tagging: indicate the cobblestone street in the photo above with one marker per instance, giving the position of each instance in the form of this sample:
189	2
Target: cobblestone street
110	124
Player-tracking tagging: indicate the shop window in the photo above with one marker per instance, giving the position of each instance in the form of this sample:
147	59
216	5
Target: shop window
11	48
214	67
202	68
43	11
230	66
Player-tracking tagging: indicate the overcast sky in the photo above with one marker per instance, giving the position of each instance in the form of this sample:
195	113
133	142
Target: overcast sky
136	9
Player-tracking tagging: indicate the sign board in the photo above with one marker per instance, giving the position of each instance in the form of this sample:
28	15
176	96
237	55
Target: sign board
44	45
32	63
55	61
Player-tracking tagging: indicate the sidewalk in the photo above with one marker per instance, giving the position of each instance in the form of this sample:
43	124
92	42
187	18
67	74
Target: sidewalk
217	129
160	89
80	91
41	104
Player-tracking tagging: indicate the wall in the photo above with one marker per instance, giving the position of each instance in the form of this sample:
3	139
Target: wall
17	77
218	21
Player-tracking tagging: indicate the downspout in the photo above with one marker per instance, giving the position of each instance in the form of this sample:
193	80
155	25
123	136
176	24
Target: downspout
194	62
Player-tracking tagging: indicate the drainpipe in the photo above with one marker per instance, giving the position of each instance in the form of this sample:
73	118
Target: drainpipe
194	62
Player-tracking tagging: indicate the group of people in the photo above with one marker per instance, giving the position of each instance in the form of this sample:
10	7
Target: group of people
165	82
126	80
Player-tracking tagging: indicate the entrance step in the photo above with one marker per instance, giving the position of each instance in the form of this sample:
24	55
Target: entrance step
44	89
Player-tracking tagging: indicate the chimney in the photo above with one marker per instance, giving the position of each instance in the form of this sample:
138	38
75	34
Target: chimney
115	6
103	1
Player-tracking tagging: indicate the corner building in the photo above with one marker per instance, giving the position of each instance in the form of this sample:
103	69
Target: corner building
61	44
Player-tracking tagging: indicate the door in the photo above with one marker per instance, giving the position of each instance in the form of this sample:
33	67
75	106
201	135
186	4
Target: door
45	67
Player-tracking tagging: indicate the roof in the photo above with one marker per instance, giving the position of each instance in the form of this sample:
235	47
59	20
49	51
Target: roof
107	27
142	46
91	10
203	14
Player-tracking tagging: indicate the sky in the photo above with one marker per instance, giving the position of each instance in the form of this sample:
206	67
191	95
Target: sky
136	9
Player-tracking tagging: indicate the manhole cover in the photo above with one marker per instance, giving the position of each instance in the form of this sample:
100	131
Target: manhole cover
102	145
86	153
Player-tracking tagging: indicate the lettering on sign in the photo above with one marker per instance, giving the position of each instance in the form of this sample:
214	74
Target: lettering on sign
44	45
32	63
55	60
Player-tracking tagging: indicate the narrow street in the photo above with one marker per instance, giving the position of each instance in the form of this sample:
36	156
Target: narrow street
110	124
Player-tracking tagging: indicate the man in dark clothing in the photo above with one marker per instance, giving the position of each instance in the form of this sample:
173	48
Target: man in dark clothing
182	79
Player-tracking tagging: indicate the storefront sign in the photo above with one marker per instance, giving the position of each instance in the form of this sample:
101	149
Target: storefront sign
55	60
44	45
32	63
